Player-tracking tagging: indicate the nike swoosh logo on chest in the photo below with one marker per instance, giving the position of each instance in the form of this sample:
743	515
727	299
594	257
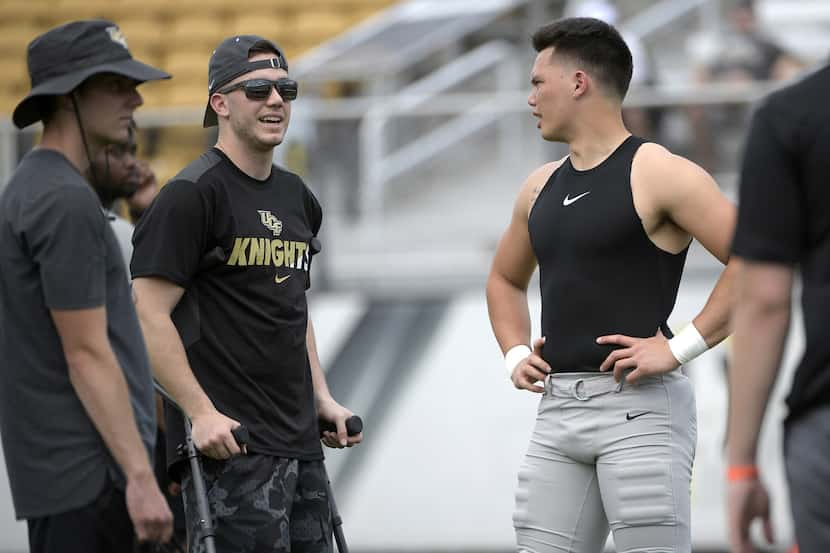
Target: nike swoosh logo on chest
568	200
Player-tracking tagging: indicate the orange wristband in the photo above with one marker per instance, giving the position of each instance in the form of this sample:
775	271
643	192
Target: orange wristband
736	473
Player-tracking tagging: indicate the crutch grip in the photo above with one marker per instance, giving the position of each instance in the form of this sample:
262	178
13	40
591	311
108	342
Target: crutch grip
241	435
354	426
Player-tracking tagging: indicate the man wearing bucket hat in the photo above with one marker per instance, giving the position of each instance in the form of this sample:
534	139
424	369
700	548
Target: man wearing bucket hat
221	267
76	396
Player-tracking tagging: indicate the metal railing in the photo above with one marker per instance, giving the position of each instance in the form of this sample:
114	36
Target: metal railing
387	44
374	112
379	166
660	14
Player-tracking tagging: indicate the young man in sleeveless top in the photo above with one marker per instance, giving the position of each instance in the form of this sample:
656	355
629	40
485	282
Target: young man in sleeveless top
609	227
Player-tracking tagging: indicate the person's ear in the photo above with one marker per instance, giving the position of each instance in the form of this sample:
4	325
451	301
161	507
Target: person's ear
581	82
219	103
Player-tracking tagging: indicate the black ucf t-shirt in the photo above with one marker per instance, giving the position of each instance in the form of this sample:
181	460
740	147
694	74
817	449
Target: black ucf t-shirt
242	250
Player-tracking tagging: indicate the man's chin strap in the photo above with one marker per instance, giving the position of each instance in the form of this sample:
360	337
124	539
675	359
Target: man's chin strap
94	176
96	183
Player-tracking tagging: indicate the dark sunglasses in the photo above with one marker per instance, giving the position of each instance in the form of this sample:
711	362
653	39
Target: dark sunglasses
260	89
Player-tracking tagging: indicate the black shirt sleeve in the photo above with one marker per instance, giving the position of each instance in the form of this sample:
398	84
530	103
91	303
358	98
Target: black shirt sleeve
770	223
64	230
171	237
314	215
314	212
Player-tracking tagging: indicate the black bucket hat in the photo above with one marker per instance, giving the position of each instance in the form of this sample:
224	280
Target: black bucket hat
64	57
230	60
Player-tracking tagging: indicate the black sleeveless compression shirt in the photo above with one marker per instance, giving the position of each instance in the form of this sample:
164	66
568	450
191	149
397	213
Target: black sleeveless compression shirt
599	271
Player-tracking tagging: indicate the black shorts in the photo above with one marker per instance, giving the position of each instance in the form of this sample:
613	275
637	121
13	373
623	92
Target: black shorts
102	526
262	503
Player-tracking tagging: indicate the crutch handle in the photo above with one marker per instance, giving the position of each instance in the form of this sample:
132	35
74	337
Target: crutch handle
241	435
354	426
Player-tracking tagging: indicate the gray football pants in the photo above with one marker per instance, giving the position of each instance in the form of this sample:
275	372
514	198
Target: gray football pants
604	456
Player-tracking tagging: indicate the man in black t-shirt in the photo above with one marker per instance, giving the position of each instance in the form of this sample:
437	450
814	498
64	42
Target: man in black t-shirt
221	265
783	223
76	396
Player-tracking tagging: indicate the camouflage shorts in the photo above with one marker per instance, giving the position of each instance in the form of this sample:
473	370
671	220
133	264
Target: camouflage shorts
261	503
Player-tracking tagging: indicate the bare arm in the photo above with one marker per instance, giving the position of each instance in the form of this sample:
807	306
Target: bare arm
761	321
512	267
686	202
99	382
327	408
696	205
318	377
155	300
507	282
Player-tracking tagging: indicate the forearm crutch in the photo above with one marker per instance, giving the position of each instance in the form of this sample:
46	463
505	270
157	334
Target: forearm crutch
188	449
354	426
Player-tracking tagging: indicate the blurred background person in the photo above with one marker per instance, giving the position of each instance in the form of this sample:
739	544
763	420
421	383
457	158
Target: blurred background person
783	226
113	174
742	54
147	188
746	53
125	185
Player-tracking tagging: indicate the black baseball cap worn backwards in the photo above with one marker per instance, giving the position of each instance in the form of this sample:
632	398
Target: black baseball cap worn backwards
62	58
230	60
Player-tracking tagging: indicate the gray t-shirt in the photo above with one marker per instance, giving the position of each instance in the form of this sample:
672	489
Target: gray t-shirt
57	251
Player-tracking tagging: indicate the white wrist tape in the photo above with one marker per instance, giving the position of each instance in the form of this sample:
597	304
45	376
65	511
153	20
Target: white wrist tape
513	356
687	344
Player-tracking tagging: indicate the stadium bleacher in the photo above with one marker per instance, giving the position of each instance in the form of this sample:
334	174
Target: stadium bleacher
179	37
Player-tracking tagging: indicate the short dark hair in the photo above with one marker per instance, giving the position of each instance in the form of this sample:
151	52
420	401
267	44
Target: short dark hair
593	43
262	47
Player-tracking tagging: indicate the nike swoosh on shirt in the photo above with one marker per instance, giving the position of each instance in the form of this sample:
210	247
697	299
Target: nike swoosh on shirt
279	280
630	417
568	201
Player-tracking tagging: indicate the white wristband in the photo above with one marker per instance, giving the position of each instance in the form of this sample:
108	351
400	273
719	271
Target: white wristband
687	344
513	356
